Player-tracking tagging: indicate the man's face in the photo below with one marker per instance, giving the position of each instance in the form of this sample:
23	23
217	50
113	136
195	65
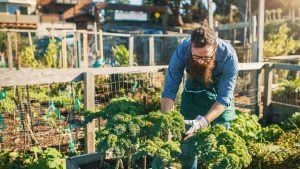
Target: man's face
202	55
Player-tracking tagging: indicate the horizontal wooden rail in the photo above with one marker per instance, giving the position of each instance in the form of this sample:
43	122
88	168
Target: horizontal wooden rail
233	26
286	66
47	76
251	66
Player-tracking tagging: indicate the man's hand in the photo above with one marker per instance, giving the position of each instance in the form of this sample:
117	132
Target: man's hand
196	124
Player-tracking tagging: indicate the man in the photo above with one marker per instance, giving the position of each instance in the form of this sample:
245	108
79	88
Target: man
212	67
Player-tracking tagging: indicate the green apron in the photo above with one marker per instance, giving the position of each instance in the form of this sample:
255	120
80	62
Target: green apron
198	99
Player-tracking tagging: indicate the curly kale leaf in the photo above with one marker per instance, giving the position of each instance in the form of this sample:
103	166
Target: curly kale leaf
220	148
246	126
123	104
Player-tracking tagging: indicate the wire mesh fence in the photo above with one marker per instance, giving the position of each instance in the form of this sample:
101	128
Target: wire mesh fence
42	115
286	87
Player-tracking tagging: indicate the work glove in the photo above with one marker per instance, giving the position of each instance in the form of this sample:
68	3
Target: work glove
196	124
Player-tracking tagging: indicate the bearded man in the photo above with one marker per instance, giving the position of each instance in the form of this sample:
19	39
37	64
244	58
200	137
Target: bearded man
212	67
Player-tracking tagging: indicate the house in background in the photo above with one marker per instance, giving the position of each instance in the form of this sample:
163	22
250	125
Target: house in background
62	14
18	14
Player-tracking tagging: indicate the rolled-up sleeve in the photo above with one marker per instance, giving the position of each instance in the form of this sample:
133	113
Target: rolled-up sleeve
175	72
227	80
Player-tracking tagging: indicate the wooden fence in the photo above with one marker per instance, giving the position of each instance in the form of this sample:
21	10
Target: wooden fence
46	76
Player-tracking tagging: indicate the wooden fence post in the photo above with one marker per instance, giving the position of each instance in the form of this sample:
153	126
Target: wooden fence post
78	51
210	14
101	44
131	46
89	103
151	51
64	51
85	50
260	47
9	50
267	99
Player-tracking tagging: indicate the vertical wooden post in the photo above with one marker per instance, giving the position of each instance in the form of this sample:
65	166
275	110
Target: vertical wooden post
131	44
64	50
261	17
89	103
216	28
85	50
210	14
267	90
96	36
260	47
151	51
78	46
9	50
101	44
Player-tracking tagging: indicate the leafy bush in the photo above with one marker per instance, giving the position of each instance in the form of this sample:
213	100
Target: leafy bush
35	159
279	43
27	57
246	126
292	123
283	153
131	134
217	147
121	54
50	57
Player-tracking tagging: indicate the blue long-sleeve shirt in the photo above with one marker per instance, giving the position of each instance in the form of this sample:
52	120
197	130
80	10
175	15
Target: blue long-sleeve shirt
225	71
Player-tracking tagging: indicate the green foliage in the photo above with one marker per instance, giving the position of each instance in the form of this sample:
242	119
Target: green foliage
2	41
163	153
284	153
7	105
50	57
288	87
219	148
165	125
121	54
246	126
271	133
280	43
27	57
292	123
130	133
122	104
35	159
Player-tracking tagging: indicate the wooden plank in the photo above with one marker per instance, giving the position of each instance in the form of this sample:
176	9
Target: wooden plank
89	104
78	47
251	66
288	57
125	7
233	26
47	76
267	100
101	44
286	66
261	19
151	51
64	51
210	14
85	50
9	50
131	48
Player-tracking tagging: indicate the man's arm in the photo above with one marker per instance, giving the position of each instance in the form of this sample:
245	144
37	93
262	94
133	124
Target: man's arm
214	112
167	104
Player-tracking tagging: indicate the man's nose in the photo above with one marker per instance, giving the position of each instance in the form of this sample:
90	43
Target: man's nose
200	61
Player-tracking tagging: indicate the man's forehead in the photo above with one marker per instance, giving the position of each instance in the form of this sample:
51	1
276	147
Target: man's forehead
206	48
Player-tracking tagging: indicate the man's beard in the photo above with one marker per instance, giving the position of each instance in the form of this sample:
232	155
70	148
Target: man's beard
201	72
